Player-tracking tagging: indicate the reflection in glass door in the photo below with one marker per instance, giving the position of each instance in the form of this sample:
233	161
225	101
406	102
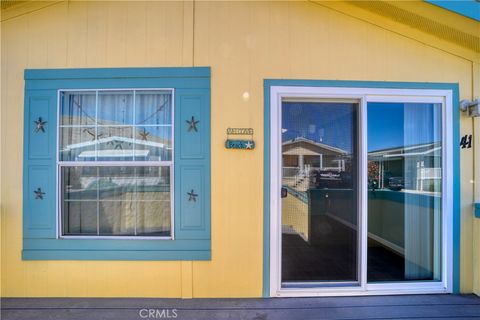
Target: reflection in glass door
360	191
319	196
405	191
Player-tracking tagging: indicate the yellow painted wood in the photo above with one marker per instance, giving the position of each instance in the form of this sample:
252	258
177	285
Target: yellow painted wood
244	43
360	11
2	143
187	280
25	7
188	30
476	146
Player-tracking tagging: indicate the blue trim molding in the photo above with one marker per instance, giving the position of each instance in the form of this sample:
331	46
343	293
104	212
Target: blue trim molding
192	223
117	73
453	87
476	210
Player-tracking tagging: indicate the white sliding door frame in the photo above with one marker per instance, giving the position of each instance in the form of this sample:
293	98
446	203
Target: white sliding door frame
362	96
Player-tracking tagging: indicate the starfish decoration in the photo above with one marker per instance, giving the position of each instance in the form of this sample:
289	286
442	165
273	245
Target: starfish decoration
144	134
40	125
39	193
94	136
192	124
192	196
118	145
248	145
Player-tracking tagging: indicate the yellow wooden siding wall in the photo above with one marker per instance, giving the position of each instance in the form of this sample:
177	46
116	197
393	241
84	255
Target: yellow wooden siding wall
244	43
476	145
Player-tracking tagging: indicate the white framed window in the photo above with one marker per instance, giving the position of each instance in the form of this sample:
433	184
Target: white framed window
115	163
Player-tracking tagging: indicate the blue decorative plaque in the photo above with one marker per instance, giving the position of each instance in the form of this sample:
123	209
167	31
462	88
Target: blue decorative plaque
240	144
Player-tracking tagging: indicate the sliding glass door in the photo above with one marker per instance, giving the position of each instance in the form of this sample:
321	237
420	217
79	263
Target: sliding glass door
405	191
359	196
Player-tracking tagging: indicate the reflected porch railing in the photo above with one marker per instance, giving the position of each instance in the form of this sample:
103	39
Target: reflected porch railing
298	178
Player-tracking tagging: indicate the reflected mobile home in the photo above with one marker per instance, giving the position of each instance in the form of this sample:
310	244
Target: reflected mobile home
195	149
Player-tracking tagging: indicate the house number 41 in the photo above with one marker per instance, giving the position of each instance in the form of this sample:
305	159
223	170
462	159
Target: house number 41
466	141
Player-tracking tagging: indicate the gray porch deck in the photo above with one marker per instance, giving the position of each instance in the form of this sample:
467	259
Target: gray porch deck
377	307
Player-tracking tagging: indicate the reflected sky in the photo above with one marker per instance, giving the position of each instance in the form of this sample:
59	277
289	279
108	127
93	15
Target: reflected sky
393	125
390	125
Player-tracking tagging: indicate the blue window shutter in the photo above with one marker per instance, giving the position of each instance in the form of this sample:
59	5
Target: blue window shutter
39	175
192	164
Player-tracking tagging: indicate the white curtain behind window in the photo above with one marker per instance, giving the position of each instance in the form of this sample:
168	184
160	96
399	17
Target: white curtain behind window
422	207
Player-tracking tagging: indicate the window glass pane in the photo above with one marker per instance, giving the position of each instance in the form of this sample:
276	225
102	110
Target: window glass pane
153	183
77	143
404	196
112	126
117	218
80	183
153	143
153	201
319	214
128	200
77	108
115	144
116	183
80	218
108	126
115	108
153	218
153	108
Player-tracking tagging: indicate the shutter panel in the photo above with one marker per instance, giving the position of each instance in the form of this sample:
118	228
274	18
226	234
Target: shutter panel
39	175
192	164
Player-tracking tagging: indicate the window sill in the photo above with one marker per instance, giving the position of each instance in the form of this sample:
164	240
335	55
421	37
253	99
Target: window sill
114	238
115	249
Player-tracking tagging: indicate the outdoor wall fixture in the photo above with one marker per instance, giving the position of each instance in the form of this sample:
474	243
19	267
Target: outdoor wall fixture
471	107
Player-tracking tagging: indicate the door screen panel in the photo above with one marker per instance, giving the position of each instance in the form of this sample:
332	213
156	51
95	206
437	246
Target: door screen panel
319	192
